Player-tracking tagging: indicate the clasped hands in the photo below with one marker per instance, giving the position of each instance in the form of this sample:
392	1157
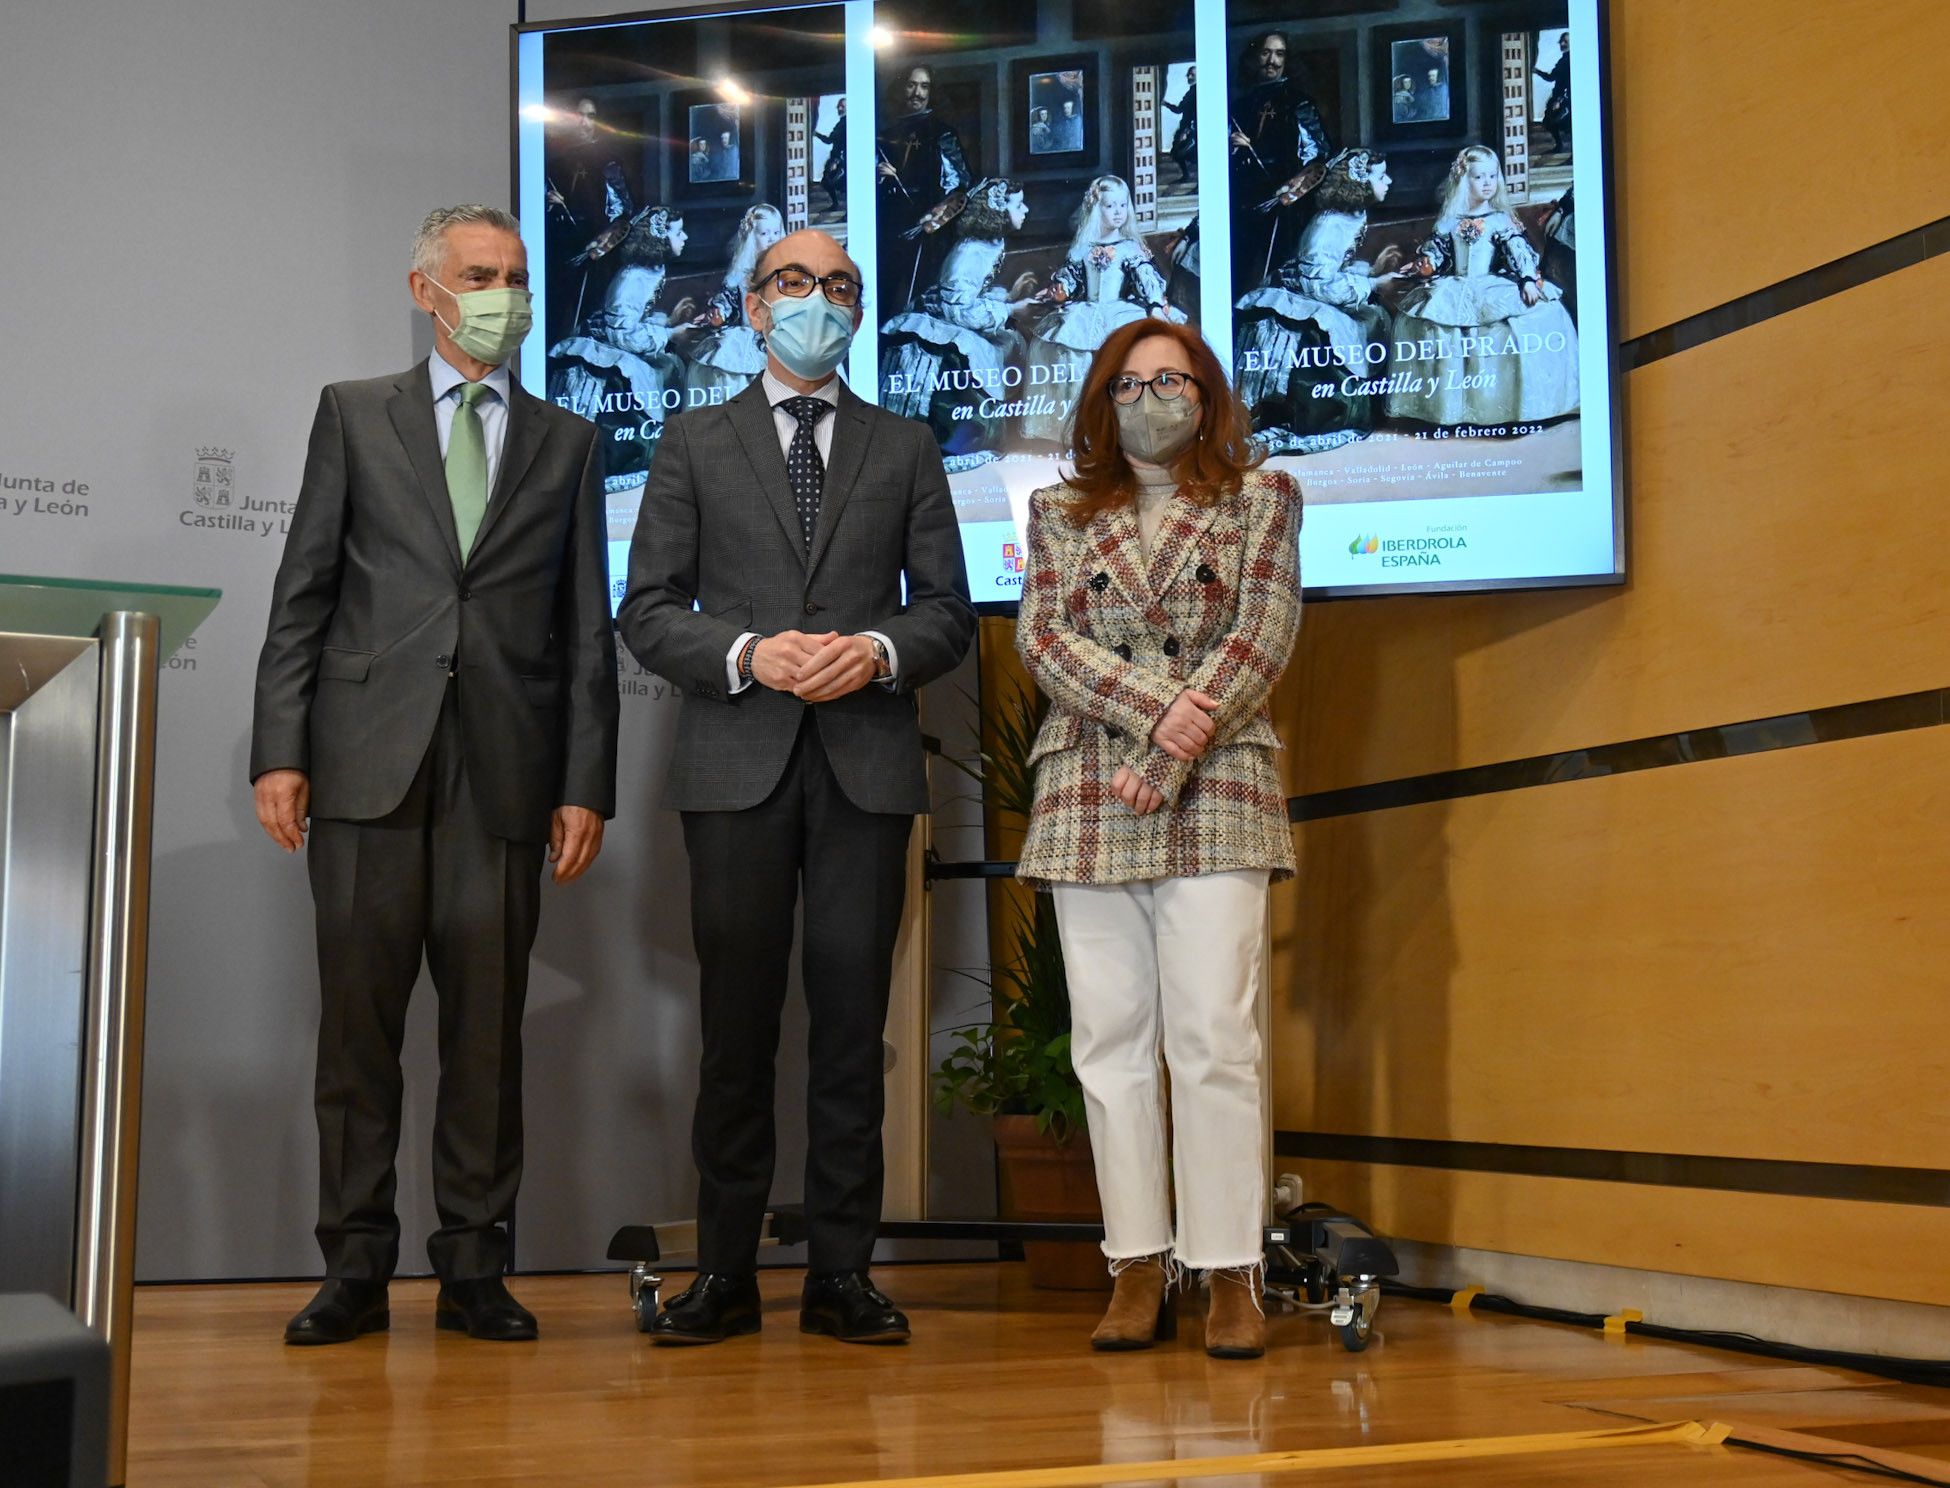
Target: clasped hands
283	802
1185	732
814	668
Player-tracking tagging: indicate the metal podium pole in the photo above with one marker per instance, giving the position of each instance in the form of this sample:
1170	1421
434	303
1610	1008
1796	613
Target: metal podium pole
118	964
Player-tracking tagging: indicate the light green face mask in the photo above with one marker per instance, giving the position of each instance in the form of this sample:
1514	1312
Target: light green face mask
493	322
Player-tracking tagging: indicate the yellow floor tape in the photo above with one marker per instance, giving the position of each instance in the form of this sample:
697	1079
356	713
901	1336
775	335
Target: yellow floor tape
1100	1475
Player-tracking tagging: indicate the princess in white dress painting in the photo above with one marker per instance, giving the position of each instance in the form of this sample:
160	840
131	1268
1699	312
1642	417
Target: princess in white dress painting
1489	341
729	353
1107	280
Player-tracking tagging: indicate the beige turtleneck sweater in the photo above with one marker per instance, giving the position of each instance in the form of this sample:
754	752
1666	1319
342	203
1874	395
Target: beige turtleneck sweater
1155	486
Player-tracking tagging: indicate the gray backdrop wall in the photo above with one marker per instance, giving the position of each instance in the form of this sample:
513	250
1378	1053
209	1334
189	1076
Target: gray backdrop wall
209	207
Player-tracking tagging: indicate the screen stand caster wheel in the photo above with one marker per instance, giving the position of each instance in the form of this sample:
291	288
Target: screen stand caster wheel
646	1289
1354	1310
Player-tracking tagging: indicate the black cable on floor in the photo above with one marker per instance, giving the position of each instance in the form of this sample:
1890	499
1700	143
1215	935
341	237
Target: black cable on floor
1908	1371
1851	1461
1489	1302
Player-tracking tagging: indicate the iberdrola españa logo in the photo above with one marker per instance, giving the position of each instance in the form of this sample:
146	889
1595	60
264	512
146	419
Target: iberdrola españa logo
1362	545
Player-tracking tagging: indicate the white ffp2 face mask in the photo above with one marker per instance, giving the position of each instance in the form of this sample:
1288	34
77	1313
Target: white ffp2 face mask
1157	430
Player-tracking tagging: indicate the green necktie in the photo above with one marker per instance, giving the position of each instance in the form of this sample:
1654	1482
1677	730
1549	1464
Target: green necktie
467	465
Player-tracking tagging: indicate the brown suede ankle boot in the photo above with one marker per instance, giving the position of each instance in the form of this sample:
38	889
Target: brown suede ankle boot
1235	1319
1140	1307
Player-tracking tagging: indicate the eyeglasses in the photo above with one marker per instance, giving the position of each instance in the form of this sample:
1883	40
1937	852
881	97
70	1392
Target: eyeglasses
840	289
1169	386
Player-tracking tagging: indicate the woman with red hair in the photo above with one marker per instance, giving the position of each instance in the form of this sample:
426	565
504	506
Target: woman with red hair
1159	605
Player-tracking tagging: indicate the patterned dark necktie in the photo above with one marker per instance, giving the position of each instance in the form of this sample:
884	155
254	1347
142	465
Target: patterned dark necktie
803	467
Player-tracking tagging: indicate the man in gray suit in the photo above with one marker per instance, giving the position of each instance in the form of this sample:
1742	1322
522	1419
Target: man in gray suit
765	582
437	693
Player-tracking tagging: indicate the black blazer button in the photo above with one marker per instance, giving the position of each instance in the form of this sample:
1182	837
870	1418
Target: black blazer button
1170	647
1100	581
466	594
1205	574
444	662
1124	651
811	608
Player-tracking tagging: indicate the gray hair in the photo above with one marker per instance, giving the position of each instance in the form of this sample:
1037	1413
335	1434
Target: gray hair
428	243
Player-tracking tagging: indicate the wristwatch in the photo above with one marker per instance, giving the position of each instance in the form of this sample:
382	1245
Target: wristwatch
882	667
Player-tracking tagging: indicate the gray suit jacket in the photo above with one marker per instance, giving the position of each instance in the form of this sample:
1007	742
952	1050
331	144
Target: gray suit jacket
718	552
373	605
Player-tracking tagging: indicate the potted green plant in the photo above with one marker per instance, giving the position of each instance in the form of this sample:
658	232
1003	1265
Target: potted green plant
1014	1065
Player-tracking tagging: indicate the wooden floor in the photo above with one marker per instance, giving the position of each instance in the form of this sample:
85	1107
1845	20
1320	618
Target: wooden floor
998	1388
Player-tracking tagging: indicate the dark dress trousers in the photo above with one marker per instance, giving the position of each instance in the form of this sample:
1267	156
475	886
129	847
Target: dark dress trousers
443	708
779	795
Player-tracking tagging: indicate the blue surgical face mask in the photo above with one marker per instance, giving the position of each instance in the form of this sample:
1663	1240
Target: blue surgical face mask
809	336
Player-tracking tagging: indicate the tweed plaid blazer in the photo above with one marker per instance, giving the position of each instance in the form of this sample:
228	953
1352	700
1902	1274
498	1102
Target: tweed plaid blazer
1112	640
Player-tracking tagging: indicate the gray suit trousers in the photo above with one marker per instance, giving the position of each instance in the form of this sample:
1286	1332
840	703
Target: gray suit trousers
426	879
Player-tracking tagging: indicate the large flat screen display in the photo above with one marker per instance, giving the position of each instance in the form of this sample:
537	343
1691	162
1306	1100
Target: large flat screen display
1370	210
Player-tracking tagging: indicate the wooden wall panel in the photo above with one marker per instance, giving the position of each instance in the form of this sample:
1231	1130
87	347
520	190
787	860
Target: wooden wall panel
1861	1249
1756	140
1001	676
1788	537
1741	958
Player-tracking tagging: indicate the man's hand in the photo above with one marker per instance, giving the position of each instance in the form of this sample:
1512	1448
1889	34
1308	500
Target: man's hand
843	664
777	659
575	836
283	799
1130	788
1185	732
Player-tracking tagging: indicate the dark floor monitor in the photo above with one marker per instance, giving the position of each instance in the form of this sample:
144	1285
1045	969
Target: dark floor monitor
53	1396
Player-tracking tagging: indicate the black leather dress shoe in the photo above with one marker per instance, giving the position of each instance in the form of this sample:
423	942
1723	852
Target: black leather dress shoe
483	1309
340	1312
847	1306
710	1310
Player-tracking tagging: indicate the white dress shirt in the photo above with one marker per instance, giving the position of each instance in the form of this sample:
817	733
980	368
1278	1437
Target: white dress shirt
776	394
492	411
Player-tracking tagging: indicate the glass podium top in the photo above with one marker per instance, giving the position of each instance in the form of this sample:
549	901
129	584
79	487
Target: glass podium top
74	607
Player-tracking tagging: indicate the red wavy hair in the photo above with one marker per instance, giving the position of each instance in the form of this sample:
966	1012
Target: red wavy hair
1212	463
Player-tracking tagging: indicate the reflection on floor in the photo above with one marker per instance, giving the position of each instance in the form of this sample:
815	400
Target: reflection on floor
998	1388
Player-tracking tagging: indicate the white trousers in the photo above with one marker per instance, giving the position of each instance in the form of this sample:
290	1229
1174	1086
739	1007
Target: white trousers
1174	965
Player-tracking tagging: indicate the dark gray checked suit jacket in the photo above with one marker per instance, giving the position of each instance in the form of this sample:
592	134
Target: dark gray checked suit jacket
718	528
372	606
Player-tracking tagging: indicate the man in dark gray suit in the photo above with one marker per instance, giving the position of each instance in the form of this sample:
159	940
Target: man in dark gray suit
437	693
765	582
